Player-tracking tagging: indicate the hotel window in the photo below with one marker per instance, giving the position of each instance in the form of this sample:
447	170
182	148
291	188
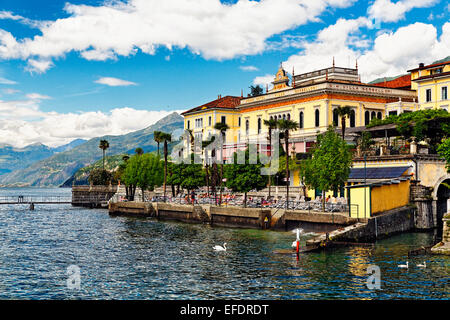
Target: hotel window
301	120
199	123
284	117
335	118
223	119
366	118
428	97
444	93
259	125
317	115
392	113
373	115
209	121
352	118
188	124
247	127
379	115
239	121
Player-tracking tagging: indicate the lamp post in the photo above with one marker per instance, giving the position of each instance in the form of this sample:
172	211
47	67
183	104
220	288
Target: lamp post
365	182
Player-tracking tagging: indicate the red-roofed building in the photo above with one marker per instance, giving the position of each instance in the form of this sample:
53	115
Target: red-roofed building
401	82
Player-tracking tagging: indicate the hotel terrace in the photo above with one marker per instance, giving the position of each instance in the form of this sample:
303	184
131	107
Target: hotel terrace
311	98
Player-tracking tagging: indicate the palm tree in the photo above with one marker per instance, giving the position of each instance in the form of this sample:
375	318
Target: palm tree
343	112
139	151
204	145
165	138
104	144
285	126
157	138
271	125
222	127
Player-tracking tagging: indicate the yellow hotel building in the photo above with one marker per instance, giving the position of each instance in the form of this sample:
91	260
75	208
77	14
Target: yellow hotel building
309	99
432	83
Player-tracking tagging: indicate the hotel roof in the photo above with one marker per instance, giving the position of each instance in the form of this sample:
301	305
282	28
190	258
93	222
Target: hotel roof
439	63
227	102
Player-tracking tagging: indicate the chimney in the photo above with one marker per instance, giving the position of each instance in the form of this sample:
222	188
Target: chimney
421	65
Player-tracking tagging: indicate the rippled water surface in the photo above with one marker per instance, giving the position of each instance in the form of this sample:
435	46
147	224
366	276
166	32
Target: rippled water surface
138	258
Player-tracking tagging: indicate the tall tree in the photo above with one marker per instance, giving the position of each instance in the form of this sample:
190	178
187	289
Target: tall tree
343	112
271	125
256	90
285	126
222	127
104	145
157	138
139	151
244	177
166	138
329	166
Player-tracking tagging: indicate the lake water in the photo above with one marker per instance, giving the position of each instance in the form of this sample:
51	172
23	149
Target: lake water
139	258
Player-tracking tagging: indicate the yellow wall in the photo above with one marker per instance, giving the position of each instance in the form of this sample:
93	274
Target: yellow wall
378	198
232	119
389	197
436	88
360	205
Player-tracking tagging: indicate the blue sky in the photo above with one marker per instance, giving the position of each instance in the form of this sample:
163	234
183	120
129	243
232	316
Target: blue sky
88	67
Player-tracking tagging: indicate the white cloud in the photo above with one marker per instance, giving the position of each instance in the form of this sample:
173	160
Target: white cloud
23	123
39	66
114	82
37	96
205	27
7	81
31	23
388	11
390	53
10	91
248	68
264	81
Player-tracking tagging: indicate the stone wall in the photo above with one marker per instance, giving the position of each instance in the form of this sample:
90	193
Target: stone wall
382	226
421	197
240	217
92	196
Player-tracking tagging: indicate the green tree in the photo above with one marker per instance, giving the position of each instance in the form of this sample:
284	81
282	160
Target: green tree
444	151
193	177
100	177
222	127
130	176
139	151
244	177
271	125
166	138
256	90
285	126
157	138
329	166
104	145
150	174
343	112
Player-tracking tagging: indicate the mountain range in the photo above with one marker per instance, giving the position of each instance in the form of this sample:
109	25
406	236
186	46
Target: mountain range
57	168
12	158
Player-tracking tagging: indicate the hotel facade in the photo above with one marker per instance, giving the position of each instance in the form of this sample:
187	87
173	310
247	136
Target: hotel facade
311	99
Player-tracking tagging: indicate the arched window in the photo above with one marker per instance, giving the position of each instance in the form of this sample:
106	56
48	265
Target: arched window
366	118
379	115
259	125
317	114
301	120
271	117
335	118
373	115
352	119
284	117
289	116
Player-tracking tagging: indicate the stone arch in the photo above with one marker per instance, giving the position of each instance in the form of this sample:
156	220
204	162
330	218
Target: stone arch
441	196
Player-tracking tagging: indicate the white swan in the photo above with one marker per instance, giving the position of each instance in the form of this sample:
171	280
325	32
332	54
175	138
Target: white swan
404	265
220	248
424	265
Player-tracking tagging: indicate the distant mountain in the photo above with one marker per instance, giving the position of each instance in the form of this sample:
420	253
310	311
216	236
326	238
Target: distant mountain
69	146
59	167
12	158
